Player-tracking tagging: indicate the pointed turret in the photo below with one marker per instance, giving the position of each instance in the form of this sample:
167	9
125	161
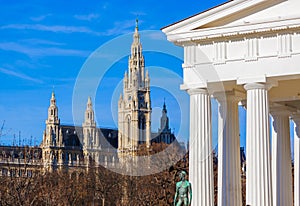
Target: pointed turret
165	134
53	110
147	80
136	62
89	114
89	103
164	120
89	127
136	36
52	134
126	80
52	122
53	100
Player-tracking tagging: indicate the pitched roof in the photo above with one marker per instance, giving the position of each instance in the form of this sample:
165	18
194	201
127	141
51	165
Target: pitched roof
196	14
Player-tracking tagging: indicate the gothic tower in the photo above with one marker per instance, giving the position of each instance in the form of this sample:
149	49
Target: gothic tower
90	133
164	131
52	137
134	108
89	127
51	133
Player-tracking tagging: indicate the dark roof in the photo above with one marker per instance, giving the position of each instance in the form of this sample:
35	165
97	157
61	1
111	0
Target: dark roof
196	14
73	136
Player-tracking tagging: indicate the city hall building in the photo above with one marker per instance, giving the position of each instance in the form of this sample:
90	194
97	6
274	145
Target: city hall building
68	147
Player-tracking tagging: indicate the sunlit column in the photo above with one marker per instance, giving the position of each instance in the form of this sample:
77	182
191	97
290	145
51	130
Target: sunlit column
296	119
229	172
201	153
258	183
281	158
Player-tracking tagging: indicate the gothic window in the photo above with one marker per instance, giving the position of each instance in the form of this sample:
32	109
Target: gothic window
51	112
128	128
142	127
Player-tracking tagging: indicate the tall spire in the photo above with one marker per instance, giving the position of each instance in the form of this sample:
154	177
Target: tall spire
164	107
136	36
89	112
89	103
53	100
137	24
53	111
164	120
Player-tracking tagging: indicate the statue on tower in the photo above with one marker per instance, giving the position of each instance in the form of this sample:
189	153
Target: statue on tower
183	188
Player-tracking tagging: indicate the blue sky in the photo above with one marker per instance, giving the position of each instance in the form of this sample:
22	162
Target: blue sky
45	45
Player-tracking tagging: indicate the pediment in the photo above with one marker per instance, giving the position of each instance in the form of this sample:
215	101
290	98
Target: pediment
238	13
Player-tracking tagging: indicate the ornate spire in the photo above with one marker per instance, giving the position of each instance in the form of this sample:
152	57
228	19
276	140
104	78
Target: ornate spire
89	113
164	120
137	23
164	107
53	100
53	111
136	36
89	103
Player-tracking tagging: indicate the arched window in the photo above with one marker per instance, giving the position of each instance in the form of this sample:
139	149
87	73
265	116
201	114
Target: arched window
142	128
128	129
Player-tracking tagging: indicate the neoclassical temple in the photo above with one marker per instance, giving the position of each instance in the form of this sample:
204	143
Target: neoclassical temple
243	52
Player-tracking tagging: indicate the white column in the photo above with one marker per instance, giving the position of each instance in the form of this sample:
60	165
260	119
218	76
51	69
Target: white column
229	170
201	153
258	172
281	158
296	119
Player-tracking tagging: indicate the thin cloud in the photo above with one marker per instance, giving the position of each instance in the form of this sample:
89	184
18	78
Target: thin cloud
39	18
105	5
138	13
42	42
156	36
121	27
19	75
88	17
45	51
54	28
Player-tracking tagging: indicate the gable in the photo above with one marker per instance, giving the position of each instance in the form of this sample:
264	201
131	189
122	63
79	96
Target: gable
238	13
277	12
262	11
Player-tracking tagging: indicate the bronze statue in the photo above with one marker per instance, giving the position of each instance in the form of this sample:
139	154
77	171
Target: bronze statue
183	188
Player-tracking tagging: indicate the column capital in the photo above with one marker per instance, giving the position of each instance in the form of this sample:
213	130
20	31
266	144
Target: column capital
232	96
280	110
251	86
197	91
296	117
